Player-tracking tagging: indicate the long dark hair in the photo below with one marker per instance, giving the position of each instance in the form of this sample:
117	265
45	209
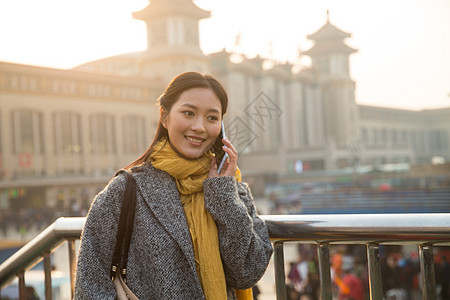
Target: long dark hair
178	85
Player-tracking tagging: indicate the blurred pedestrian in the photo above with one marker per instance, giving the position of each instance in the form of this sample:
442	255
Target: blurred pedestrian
350	285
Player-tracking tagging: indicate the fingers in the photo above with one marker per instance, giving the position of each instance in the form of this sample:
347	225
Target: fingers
229	148
231	166
213	168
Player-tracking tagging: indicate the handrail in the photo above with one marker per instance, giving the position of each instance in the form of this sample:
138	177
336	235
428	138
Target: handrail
361	228
31	253
425	230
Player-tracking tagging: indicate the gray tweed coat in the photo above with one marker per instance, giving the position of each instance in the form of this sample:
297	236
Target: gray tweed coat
161	261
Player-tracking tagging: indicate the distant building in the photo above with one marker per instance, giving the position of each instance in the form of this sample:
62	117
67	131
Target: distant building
65	132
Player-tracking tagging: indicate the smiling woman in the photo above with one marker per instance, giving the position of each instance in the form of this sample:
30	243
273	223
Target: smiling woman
193	123
191	109
196	232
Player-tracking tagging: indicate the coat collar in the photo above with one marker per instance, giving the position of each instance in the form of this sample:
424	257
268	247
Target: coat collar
161	195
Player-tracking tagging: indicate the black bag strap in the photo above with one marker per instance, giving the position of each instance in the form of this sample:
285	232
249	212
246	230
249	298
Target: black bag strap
125	228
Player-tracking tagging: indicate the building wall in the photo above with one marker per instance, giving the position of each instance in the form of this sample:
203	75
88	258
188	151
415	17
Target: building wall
393	135
323	127
67	132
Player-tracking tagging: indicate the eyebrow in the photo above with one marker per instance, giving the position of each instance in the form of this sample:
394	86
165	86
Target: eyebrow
213	110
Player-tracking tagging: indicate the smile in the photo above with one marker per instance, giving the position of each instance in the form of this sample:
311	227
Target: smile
194	140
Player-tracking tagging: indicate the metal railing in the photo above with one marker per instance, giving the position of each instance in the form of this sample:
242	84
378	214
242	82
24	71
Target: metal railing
40	248
372	230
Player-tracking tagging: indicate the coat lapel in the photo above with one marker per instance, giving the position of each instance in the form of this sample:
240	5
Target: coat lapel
160	193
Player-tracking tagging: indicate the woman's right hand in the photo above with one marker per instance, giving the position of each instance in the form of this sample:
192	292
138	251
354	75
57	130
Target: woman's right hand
230	166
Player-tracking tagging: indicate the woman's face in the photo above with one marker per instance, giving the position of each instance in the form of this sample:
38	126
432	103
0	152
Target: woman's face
194	122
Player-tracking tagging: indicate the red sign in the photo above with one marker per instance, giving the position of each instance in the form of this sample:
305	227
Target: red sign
25	160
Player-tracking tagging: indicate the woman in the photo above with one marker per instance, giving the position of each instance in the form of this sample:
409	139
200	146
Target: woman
196	233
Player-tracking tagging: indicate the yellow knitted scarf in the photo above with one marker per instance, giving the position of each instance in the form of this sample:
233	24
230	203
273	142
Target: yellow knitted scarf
189	176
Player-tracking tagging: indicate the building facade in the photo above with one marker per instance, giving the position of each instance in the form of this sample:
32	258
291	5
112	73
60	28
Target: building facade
64	133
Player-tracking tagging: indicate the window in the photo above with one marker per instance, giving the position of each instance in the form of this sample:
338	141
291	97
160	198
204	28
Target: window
376	135
103	131
364	135
323	64
134	134
394	137
67	133
384	135
28	133
175	31
438	140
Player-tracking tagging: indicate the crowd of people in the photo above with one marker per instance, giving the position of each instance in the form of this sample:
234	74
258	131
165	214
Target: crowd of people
349	273
25	220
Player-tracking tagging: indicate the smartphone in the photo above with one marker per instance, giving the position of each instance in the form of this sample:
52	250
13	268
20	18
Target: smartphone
221	155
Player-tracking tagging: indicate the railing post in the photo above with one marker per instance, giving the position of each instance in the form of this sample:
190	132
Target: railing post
427	272
22	287
373	257
323	253
48	275
280	276
72	266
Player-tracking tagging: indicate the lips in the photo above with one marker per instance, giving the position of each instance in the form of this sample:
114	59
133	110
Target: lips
195	140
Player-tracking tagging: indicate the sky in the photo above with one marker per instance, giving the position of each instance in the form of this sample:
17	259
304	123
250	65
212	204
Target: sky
403	58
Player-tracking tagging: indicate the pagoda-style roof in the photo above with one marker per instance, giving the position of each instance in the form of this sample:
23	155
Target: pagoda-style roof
327	46
329	39
158	8
328	31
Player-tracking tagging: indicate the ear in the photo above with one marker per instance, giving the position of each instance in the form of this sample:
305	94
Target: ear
163	117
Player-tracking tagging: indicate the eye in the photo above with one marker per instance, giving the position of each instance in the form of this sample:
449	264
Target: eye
188	113
213	118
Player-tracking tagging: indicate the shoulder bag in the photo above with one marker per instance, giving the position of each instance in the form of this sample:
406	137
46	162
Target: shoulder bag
124	231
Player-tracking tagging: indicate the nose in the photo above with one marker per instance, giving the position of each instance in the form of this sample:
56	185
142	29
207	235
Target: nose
197	125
